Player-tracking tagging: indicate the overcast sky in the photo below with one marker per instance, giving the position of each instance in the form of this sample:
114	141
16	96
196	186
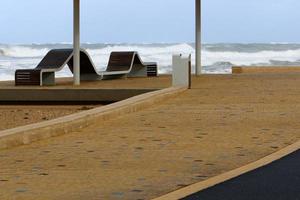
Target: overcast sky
136	21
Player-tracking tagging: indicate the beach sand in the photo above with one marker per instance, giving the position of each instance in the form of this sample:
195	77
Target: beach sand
12	116
222	123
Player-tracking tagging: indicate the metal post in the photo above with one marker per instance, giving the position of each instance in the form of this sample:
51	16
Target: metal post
76	42
198	37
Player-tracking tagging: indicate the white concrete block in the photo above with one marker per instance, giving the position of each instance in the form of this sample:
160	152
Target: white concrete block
181	71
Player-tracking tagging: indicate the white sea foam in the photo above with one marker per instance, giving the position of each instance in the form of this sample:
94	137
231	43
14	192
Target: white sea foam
216	58
5	77
262	57
22	51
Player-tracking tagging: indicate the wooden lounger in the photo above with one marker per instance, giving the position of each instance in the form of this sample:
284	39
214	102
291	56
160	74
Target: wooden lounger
44	73
142	69
127	63
120	64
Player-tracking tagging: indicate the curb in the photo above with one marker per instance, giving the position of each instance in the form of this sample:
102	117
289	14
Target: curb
197	187
63	125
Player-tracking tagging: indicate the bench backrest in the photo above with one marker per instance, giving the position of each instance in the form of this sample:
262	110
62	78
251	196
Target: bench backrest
55	59
120	61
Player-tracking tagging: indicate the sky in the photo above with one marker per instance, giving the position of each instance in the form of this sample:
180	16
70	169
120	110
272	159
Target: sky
150	21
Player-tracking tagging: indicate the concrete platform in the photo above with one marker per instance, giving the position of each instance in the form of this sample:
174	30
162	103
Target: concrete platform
63	96
222	123
91	91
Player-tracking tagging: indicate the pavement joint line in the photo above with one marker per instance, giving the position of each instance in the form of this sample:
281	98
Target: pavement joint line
75	122
202	185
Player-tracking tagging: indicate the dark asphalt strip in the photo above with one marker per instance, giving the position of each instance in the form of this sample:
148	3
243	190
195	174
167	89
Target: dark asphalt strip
279	180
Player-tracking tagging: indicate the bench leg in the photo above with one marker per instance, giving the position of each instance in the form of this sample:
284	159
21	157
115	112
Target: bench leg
138	71
48	79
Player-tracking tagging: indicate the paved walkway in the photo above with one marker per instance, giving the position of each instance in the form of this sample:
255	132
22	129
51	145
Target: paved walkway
224	122
277	181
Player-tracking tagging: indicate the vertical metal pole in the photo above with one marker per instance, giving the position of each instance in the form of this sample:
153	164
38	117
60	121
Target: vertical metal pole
198	37
76	42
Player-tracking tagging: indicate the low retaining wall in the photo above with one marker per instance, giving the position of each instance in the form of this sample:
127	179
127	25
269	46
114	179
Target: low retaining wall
68	95
264	69
63	125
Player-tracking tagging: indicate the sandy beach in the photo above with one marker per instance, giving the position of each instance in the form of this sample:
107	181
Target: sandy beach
12	116
222	123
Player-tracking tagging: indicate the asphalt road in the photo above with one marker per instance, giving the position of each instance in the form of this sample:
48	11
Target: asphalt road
279	180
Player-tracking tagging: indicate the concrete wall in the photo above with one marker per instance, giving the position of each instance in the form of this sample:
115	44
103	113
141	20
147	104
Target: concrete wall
68	95
181	71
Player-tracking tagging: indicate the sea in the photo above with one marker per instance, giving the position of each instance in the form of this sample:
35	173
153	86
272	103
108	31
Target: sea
217	58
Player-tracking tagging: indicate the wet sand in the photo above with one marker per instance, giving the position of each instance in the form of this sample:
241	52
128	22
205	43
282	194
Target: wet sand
222	123
12	116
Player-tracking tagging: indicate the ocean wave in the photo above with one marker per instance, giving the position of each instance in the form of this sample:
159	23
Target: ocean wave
237	54
216	58
22	51
240	58
5	77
